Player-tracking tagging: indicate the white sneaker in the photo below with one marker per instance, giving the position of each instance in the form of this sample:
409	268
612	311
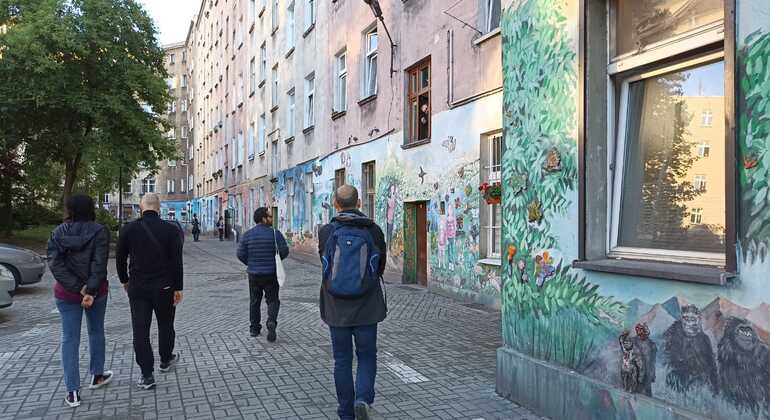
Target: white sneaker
73	399
105	377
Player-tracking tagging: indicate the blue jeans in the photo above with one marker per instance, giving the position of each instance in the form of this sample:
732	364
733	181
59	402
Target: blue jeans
71	320
366	352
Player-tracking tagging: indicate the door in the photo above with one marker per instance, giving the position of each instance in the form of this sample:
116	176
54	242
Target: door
415	243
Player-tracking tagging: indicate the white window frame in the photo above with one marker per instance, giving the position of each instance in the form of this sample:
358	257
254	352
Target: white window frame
707	118
253	75
262	134
310	100
700	182
494	173
310	14
370	70
252	11
341	81
488	15
171	163
240	147
617	146
274	17
148	185
291	114
250	141
696	215
274	83
263	62
704	149
182	185
290	24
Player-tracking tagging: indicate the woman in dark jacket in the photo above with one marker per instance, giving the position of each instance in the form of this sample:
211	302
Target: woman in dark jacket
77	255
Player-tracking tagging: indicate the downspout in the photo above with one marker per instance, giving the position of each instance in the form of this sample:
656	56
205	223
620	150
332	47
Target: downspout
450	68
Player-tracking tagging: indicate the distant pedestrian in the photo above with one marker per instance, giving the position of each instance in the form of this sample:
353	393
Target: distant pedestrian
77	253
221	228
196	228
353	254
257	250
153	281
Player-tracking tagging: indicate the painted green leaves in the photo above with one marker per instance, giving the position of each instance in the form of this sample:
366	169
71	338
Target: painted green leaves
754	136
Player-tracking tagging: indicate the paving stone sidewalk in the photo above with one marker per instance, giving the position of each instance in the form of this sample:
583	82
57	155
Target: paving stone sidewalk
436	361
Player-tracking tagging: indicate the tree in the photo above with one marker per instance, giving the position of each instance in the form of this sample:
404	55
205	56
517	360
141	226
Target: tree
82	82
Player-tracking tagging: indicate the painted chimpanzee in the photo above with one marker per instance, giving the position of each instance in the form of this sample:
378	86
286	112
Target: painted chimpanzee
744	366
688	353
649	352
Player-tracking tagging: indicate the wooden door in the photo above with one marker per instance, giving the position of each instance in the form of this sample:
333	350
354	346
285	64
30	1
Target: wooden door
422	243
415	243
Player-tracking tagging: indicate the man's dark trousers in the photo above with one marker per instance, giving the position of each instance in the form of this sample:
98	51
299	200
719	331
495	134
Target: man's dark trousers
267	285
366	353
143	304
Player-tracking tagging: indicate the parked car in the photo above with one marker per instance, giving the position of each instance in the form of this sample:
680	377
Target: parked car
7	285
27	267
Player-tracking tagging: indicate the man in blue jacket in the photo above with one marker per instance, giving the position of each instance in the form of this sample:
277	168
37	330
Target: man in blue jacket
257	250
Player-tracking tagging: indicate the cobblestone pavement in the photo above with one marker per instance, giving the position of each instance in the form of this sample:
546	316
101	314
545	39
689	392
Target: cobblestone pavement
436	360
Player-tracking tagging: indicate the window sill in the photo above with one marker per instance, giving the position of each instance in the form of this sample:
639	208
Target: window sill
274	31
251	28
261	12
670	271
338	114
491	261
415	144
289	53
253	92
262	155
261	83
486	37
273	109
366	100
308	130
308	30
289	139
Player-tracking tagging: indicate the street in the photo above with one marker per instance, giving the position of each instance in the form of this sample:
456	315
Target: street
436	356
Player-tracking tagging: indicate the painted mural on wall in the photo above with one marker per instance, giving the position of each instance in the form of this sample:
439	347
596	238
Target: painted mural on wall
700	347
445	175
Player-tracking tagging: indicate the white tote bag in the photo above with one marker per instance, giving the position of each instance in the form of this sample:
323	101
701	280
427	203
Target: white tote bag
280	273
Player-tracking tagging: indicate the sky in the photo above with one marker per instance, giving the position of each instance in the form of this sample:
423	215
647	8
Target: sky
172	17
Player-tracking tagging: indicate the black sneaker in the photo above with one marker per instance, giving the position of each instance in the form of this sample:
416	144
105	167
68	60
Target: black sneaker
165	367
73	399
271	337
361	410
255	333
146	383
99	381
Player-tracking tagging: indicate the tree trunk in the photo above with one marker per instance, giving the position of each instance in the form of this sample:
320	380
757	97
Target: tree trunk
70	177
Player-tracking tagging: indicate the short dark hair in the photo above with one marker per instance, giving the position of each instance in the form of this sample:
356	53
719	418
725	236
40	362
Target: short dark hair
80	208
260	214
346	197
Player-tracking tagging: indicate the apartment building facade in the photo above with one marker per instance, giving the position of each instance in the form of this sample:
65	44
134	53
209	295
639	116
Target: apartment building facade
293	98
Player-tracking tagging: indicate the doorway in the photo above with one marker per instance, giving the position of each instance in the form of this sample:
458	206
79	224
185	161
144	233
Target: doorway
416	243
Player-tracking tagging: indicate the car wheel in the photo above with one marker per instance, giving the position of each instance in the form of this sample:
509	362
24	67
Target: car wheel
16	277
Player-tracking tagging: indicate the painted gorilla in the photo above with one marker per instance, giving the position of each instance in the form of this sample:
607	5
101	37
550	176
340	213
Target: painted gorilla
688	353
744	366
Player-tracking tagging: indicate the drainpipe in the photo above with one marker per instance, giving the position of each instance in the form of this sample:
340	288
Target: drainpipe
449	67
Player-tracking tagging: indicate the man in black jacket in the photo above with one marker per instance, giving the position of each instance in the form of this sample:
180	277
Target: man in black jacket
153	281
350	318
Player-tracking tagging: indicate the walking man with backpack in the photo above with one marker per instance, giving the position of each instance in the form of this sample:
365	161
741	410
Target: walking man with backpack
153	281
353	255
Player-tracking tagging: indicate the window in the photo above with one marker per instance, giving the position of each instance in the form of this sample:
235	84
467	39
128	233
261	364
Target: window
290	130
253	75
419	109
250	141
290	27
275	15
368	188
173	106
703	150
170	186
189	183
699	183
661	208
171	58
491	15
252	11
339	178
171	163
491	214
184	80
181	185
184	105
184	131
696	216
262	129
707	118
309	14
341	82
310	101
274	93
148	185
263	62
129	188
370	64
240	148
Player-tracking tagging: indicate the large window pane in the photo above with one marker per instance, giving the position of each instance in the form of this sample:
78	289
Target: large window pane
661	207
639	23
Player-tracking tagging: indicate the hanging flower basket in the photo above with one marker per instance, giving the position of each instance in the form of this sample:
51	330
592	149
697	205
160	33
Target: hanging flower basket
493	193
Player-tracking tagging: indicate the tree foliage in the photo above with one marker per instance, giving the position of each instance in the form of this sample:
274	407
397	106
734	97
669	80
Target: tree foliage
80	81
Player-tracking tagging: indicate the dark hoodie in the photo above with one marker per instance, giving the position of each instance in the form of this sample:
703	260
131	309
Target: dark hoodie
368	309
77	256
